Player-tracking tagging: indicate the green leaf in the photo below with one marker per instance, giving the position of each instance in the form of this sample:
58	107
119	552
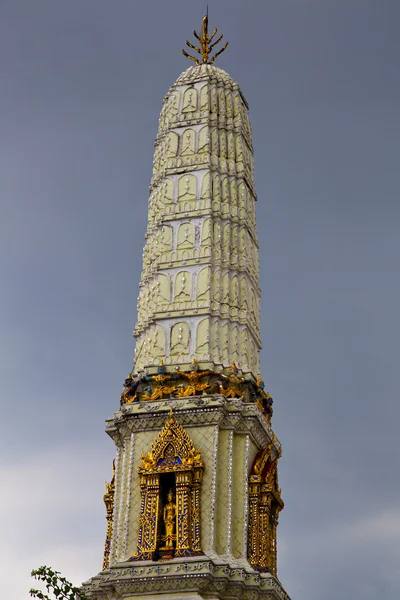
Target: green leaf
56	584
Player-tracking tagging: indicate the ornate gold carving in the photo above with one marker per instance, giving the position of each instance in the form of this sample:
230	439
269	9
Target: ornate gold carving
194	384
172	434
171	452
235	381
161	391
205	44
261	460
264	400
181	384
109	502
265	503
128	395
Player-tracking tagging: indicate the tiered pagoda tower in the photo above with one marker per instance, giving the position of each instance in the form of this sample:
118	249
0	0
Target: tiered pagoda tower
193	505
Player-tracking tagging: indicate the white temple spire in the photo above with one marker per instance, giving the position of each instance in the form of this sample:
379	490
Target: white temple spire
199	295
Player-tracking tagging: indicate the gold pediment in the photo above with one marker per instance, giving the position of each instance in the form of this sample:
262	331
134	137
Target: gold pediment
172	449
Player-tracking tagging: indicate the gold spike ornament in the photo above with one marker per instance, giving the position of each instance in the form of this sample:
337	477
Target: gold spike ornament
206	46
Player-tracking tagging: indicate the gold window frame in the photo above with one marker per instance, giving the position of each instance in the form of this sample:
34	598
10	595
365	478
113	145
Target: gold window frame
265	503
186	464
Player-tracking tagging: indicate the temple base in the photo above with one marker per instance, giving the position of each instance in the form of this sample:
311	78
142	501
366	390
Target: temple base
193	578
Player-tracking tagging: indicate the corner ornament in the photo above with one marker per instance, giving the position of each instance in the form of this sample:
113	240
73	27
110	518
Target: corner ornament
265	504
206	47
109	502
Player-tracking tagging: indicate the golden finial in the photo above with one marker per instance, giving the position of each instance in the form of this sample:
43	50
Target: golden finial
205	45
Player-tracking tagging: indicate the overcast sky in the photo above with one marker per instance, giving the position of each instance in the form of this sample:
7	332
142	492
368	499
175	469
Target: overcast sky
81	89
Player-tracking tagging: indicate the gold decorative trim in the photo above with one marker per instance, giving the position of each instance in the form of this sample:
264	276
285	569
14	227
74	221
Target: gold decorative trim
109	502
181	384
234	381
265	503
172	452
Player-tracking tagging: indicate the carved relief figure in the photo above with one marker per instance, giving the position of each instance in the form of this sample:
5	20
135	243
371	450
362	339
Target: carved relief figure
231	146
172	144
239	149
244	343
229	105
185	236
226	240
204	140
204	98
222	102
217	235
203	284
242	197
159	342
225	344
187	188
225	196
216	192
225	288
138	352
217	286
237	106
243	293
214	141
252	361
243	242
163	289
214	101
180	334
215	341
233	198
183	286
187	142
189	101
202	338
253	303
222	144
234	291
165	194
235	344
163	240
169	111
205	186
234	245
206	233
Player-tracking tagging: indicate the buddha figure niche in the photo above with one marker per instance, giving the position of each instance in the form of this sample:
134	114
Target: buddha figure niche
169	523
170	480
